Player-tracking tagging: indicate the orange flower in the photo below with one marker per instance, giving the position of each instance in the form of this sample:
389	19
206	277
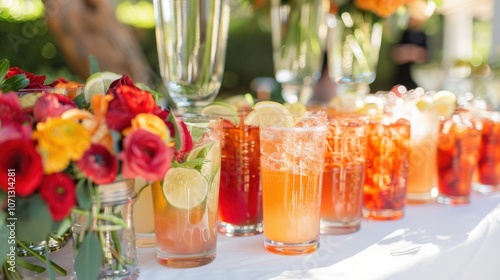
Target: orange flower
382	8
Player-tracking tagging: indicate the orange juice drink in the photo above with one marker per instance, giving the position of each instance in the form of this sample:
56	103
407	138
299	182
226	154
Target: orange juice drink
185	204
343	174
292	157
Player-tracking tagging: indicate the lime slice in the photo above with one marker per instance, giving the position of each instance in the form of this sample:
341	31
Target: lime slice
243	102
296	108
444	109
423	104
212	163
445	102
224	110
275	115
98	83
184	188
214	191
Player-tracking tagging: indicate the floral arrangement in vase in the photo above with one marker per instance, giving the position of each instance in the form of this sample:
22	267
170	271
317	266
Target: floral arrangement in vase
70	162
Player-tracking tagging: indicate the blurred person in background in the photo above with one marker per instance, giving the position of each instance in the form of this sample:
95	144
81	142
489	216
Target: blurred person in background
412	47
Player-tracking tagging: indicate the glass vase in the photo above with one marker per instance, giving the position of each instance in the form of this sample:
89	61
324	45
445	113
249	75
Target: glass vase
353	48
104	236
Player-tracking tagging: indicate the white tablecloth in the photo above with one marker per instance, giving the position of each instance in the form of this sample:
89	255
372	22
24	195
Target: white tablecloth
432	241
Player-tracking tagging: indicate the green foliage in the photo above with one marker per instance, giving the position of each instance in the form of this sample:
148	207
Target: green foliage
13	83
33	214
89	257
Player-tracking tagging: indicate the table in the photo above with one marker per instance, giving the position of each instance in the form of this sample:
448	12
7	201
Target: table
432	241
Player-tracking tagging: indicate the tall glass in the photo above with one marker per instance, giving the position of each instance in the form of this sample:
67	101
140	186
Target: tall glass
386	174
143	215
185	205
298	29
191	39
292	158
354	40
423	151
458	153
343	174
489	155
240	198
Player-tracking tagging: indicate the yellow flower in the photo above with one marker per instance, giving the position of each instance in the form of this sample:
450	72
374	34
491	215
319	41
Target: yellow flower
151	123
59	142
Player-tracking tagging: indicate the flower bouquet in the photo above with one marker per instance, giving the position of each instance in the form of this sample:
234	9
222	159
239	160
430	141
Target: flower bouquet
35	200
80	156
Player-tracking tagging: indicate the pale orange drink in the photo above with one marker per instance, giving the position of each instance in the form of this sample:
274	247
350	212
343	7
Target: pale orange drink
292	157
185	204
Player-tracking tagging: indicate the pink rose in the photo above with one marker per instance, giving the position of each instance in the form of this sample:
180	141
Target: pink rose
144	155
10	109
52	105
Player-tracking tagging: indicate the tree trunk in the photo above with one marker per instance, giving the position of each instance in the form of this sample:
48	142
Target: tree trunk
89	27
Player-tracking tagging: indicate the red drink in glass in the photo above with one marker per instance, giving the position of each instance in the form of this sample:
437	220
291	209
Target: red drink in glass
489	155
240	197
386	173
458	153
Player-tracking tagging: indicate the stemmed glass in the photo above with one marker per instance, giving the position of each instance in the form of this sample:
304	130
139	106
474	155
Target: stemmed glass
191	41
298	30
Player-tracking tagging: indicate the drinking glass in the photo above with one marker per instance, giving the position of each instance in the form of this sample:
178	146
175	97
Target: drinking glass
143	214
191	41
185	205
386	173
343	173
423	151
489	154
240	197
458	152
292	158
298	29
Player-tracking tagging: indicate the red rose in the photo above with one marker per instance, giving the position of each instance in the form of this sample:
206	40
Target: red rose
126	104
35	81
52	105
10	109
144	155
98	164
21	157
123	81
58	191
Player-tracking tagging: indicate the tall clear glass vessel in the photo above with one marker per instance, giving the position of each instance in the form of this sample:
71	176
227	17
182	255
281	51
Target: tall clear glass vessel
298	29
191	40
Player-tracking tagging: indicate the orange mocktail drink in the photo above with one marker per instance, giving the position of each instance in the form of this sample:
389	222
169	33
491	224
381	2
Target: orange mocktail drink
424	111
185	204
292	157
343	173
